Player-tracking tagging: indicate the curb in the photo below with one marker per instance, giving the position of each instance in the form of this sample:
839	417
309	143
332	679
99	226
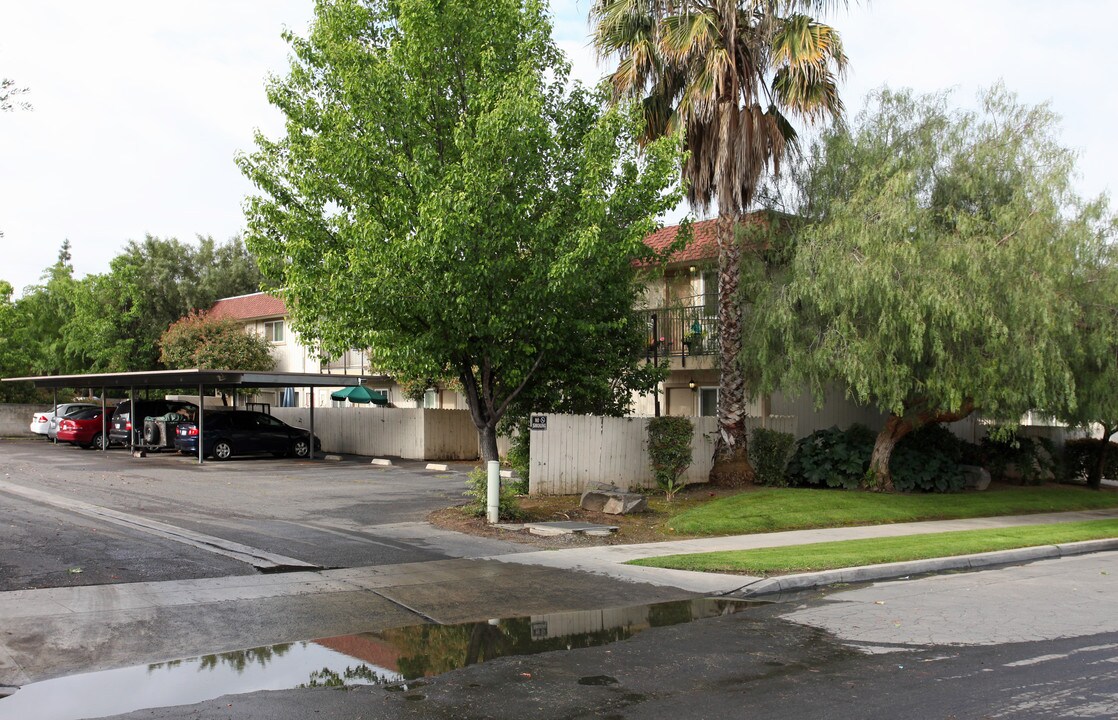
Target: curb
887	571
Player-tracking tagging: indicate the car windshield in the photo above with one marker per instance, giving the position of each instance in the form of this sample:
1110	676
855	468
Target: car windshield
87	414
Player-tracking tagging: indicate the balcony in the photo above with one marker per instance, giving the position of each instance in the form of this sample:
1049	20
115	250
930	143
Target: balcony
686	330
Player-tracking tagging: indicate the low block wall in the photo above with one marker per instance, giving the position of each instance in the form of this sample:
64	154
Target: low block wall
576	450
411	433
15	418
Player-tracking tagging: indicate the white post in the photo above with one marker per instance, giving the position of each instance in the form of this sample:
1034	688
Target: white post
493	496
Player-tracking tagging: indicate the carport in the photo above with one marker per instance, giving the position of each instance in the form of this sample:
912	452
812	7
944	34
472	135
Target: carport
200	379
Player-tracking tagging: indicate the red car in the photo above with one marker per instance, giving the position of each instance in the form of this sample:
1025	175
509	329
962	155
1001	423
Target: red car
82	428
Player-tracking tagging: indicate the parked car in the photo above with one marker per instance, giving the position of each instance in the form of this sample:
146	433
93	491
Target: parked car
82	428
40	422
123	421
243	432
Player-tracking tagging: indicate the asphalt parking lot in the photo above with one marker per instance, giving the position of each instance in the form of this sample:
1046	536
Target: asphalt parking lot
327	514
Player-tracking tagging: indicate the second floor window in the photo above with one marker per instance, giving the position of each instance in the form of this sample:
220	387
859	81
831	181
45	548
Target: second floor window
273	331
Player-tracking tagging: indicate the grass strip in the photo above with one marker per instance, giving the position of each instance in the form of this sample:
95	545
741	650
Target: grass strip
873	551
777	509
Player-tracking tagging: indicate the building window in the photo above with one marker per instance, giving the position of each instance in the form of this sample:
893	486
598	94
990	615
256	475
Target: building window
710	293
431	399
273	331
708	401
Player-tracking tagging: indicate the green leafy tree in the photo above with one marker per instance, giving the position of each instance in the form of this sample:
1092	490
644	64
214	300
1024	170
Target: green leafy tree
119	316
937	268
1094	356
729	75
204	342
42	311
443	200
30	328
15	357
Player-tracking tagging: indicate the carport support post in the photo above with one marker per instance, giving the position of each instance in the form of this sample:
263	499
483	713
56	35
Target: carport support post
311	394
132	419
493	494
201	407
104	425
54	412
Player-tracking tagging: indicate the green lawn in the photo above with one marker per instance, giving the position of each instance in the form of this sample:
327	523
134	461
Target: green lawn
776	509
854	553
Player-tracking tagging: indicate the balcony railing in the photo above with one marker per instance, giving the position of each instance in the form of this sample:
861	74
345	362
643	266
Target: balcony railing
682	331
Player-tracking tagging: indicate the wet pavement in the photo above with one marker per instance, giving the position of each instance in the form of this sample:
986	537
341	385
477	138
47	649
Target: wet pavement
169	588
399	659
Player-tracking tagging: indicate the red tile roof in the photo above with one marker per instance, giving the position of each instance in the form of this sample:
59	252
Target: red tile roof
249	307
703	245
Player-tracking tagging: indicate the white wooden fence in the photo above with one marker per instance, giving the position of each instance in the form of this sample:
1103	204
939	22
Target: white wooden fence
576	450
411	433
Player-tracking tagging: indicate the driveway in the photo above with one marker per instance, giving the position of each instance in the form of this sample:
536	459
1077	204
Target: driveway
321	513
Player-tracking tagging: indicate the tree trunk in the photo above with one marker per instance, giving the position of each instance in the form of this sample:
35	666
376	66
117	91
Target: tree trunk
1094	475
731	457
880	476
487	442
916	415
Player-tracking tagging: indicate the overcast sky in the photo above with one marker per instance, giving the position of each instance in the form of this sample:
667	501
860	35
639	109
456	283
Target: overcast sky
140	106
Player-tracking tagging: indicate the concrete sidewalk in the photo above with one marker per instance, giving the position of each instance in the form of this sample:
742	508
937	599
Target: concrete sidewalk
610	560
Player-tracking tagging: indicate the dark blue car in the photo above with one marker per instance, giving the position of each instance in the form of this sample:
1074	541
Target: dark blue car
243	432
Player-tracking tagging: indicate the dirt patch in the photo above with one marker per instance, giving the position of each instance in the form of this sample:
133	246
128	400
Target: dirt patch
653	525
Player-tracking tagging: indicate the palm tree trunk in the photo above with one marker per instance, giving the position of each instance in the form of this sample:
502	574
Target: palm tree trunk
731	457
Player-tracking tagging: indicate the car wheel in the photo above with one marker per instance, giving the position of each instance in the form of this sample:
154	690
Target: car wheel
222	450
300	448
98	442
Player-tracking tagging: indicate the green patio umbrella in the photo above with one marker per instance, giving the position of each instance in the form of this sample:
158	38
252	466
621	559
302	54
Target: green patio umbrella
361	394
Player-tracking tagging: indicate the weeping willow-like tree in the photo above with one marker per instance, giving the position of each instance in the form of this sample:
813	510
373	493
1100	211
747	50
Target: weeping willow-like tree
730	74
945	264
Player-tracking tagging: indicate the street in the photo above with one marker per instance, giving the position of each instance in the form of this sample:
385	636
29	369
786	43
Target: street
422	610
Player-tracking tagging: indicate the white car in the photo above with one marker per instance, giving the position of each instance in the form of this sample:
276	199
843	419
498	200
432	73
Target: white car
40	422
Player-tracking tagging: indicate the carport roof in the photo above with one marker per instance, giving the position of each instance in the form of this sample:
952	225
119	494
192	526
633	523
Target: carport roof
192	378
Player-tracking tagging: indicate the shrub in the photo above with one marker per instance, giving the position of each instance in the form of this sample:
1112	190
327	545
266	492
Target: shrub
669	451
477	488
1016	458
769	452
927	460
1081	454
832	458
520	449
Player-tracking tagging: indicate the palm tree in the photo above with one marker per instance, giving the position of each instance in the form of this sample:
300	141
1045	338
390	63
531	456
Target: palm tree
728	74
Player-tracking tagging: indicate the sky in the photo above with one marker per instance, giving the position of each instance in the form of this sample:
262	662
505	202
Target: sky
140	107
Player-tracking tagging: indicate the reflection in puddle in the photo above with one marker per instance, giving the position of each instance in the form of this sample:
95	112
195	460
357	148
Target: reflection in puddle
184	682
394	658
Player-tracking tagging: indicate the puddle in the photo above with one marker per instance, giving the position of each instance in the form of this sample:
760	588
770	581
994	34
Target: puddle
184	682
395	658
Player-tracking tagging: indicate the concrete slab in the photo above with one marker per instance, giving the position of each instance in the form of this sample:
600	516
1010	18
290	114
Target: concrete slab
566	527
380	461
441	467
